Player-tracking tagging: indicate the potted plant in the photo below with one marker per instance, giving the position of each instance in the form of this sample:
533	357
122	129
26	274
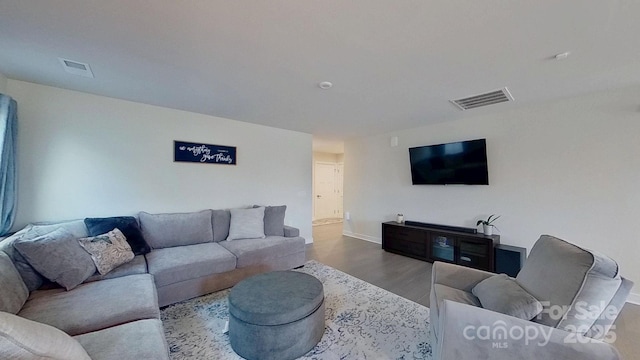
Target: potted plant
487	225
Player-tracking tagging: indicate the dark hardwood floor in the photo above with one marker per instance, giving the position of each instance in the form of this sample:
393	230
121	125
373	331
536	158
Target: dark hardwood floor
410	278
401	275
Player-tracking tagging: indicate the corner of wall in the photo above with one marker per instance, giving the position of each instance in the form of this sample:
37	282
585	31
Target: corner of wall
3	83
365	237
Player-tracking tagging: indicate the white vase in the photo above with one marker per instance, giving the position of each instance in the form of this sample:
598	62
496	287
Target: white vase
487	229
400	218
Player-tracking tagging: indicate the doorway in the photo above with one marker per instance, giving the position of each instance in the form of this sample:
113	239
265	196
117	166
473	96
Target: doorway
327	192
327	181
325	196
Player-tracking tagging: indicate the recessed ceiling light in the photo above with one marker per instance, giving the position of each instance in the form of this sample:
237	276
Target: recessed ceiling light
325	85
562	56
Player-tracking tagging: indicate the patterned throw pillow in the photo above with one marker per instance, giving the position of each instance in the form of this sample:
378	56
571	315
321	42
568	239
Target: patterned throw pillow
127	224
108	251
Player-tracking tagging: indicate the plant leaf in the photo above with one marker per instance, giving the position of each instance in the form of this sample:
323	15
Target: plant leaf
489	220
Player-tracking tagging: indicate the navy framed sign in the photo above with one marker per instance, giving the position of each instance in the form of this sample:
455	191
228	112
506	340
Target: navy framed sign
204	153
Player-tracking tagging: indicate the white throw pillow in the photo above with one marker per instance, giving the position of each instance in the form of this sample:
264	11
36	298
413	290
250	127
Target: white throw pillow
246	224
29	340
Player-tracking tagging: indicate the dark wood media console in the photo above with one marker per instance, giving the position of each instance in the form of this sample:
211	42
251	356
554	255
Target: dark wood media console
431	244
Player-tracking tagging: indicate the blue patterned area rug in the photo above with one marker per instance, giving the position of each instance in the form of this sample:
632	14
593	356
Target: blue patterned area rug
362	322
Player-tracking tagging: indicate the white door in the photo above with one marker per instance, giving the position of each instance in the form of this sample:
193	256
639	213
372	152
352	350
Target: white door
324	197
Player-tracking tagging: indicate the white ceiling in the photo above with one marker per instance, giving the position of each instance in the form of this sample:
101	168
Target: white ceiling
394	64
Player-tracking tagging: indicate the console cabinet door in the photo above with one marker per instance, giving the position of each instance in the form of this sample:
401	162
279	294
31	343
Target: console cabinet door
475	254
404	241
437	245
442	247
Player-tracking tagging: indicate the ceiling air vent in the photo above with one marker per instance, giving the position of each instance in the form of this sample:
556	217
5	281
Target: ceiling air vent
492	97
76	67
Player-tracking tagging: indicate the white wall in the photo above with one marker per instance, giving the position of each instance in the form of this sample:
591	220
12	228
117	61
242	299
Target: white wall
82	155
569	169
3	83
325	157
328	146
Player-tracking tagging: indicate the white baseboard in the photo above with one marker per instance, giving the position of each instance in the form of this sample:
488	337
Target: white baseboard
372	239
308	240
634	298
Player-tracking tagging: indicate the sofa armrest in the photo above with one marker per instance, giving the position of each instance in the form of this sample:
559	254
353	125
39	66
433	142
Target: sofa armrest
467	331
456	276
290	231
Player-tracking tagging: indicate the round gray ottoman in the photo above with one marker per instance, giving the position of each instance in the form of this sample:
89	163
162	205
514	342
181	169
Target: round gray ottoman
277	315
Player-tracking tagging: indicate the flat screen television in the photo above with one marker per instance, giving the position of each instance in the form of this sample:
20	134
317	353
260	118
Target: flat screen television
463	162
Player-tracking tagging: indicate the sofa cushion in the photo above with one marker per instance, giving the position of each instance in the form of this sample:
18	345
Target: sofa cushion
13	291
172	265
75	227
274	220
502	294
443	292
57	256
108	251
440	293
136	266
177	229
29	340
246	224
259	251
29	275
290	231
142	339
221	221
96	305
588	280
127	224
32	278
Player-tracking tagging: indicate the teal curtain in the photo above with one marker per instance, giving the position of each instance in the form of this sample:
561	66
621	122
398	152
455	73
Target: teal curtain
8	185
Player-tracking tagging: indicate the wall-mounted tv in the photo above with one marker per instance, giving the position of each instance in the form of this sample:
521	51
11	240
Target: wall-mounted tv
463	162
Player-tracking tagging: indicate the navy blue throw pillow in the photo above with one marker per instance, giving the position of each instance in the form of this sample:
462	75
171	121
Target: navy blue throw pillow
126	224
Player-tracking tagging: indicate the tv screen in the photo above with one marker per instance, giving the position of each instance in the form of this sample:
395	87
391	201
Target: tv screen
463	162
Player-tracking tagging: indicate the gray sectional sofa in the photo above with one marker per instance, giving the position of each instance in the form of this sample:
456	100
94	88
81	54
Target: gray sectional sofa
117	316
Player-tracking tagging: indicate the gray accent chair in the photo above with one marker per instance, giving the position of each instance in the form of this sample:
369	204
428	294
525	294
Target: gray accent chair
581	292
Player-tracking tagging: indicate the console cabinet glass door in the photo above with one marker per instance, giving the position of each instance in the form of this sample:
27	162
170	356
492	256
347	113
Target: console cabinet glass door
474	253
442	248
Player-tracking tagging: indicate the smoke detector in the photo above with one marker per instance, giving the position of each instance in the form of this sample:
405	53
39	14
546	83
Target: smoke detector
76	67
489	98
325	85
